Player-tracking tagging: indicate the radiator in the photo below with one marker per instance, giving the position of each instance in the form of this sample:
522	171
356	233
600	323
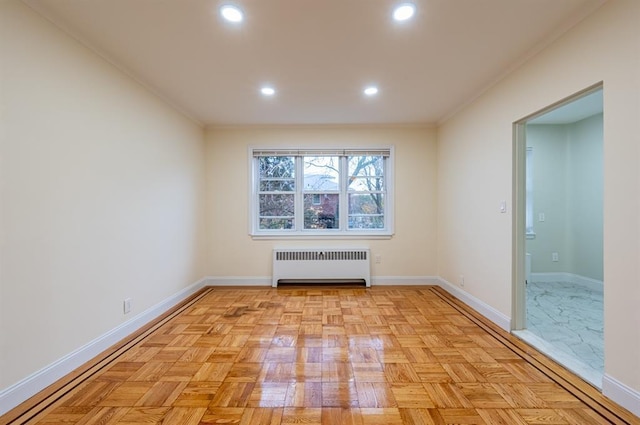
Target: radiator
320	264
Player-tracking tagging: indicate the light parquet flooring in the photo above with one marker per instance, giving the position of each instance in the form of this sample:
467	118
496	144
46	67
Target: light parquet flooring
321	355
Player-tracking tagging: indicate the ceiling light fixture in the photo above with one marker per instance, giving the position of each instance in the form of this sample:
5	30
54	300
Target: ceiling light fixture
404	11
231	13
371	91
267	91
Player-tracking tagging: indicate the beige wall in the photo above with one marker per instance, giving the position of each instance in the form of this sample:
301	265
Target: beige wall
100	190
475	159
232	252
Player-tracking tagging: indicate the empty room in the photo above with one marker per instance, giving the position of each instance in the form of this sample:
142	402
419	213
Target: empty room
323	212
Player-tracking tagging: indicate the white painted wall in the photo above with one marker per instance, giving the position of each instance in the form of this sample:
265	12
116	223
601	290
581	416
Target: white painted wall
585	218
550	181
100	190
474	173
410	254
567	189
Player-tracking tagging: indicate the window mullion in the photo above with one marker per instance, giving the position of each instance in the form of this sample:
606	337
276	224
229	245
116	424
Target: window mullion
344	197
298	205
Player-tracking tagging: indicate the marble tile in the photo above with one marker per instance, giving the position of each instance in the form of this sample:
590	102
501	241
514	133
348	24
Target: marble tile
568	317
570	361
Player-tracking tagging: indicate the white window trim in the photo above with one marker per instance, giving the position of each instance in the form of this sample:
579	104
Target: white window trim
325	234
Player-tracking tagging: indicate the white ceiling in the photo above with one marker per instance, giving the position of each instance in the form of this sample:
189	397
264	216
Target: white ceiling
318	54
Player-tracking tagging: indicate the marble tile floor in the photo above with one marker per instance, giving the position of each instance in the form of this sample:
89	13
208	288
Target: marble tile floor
565	321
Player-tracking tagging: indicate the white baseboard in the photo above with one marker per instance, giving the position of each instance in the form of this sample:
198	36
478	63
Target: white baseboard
566	277
481	307
622	394
23	390
375	280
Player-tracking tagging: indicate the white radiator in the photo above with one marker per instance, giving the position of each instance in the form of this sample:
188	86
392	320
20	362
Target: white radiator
320	264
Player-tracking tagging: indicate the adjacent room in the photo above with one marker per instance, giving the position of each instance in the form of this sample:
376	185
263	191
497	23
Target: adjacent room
564	273
164	163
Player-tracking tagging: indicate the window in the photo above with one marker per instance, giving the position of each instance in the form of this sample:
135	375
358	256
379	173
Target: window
321	192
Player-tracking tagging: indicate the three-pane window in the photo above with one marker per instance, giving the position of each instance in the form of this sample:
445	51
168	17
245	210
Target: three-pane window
321	192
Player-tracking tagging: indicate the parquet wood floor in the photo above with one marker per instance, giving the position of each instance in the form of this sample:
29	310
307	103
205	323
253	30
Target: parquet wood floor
321	355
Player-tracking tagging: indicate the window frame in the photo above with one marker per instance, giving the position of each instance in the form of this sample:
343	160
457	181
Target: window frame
343	232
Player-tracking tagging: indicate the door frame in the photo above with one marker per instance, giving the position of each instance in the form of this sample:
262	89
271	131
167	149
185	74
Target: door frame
519	249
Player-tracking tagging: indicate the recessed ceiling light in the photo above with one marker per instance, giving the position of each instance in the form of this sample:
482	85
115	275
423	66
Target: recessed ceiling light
231	13
404	11
371	91
267	91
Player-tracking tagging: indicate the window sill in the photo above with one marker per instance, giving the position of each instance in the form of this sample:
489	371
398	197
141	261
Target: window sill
316	236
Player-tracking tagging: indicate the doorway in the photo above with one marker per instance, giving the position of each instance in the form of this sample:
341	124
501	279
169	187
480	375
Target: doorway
559	255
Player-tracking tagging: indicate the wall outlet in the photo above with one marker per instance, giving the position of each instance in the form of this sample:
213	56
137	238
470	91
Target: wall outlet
126	306
541	217
554	257
461	280
378	259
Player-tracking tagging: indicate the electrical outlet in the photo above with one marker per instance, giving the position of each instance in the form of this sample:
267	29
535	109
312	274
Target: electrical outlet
378	259
541	217
461	280
554	257
126	306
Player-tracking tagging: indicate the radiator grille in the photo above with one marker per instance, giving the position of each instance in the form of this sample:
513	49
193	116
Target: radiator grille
321	255
318	264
